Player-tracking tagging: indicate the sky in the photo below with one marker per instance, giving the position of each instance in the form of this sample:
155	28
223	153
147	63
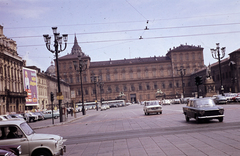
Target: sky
110	29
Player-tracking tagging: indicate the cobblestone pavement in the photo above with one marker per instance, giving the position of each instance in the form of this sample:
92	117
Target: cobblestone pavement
126	131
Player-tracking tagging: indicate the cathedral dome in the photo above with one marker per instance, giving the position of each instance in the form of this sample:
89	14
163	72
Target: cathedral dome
51	69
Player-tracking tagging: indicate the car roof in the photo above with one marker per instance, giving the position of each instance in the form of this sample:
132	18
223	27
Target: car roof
11	121
205	98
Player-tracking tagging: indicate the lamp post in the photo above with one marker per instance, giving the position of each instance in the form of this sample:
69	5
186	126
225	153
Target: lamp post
95	82
57	49
82	65
101	84
182	73
216	55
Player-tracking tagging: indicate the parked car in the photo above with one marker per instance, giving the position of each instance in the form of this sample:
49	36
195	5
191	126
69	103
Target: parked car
10	150
18	116
152	107
176	101
203	108
236	98
48	114
6	116
2	117
219	99
229	96
18	132
26	117
31	117
103	107
40	115
166	102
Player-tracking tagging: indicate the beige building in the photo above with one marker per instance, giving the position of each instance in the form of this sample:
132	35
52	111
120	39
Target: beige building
139	78
12	94
47	83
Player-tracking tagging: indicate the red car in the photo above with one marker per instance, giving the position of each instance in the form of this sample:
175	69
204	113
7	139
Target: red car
236	98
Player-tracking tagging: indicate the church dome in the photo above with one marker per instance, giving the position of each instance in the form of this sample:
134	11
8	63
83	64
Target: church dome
51	69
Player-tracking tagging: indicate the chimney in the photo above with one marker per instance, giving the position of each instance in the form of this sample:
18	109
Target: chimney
1	30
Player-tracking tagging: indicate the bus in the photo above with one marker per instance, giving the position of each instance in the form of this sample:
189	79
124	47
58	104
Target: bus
115	103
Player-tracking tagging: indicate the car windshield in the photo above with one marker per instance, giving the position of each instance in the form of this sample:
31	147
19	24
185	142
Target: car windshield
152	103
204	103
26	128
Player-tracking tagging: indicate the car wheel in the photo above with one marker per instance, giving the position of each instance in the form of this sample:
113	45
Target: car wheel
145	113
197	119
187	118
42	153
160	112
56	117
220	119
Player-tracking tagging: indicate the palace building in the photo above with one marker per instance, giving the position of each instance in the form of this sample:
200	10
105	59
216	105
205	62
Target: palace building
137	79
12	94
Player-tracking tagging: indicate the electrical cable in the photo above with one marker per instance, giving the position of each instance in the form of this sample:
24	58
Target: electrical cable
159	37
129	30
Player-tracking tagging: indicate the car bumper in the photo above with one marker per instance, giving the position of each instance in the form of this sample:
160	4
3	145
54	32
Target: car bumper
61	151
210	117
153	111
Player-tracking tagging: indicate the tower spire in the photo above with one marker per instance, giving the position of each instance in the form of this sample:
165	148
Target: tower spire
76	49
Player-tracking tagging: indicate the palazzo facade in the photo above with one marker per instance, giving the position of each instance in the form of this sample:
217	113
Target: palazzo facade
12	94
138	79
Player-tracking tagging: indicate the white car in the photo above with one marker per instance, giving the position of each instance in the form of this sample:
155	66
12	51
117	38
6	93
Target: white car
48	114
18	132
152	107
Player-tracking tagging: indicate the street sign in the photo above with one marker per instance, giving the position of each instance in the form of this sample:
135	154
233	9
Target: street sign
60	97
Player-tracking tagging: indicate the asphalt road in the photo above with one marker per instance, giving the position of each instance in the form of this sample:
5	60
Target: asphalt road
130	125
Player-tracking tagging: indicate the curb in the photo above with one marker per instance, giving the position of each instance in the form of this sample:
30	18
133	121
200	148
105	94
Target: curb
59	124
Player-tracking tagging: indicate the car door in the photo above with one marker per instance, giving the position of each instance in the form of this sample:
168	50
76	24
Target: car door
19	139
188	109
191	109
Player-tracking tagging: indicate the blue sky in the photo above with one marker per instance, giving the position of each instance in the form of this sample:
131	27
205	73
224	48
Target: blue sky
111	28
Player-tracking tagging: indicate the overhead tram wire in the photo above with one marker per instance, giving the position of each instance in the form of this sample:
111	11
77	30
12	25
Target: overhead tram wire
160	37
68	25
118	31
129	30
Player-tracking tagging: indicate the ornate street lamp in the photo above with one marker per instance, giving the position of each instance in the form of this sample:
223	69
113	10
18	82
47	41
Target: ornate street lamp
80	66
216	55
57	49
182	73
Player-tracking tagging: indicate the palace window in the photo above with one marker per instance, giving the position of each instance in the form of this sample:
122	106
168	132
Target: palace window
155	86
108	77
163	85
140	87
117	89
125	88
86	92
109	89
139	74
146	73
132	87
147	86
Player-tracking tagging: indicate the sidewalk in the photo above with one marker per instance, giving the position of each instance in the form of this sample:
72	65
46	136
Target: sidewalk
48	122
